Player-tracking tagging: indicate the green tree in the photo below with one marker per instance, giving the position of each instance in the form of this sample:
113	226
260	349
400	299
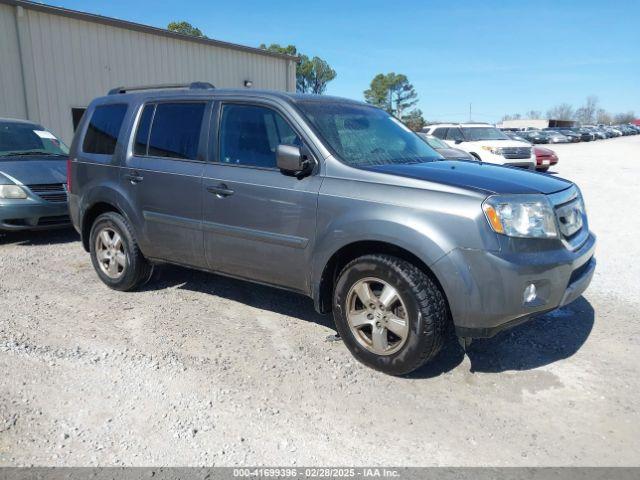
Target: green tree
312	74
414	120
185	28
392	92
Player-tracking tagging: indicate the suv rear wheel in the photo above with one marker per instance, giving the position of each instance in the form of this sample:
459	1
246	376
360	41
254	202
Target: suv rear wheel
391	315
115	254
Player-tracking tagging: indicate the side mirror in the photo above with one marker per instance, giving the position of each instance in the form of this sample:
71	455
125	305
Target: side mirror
292	161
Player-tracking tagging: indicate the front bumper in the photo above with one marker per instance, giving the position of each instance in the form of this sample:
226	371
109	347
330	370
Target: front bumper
485	289
33	215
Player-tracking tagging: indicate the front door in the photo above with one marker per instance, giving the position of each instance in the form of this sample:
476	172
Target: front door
164	177
258	223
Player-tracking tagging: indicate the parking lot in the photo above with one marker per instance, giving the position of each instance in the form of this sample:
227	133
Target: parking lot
198	369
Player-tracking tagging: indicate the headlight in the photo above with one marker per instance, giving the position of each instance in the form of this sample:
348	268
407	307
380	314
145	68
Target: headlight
524	216
12	191
494	150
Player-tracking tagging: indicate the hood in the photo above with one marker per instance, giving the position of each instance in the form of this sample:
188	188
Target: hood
31	170
454	154
477	176
543	151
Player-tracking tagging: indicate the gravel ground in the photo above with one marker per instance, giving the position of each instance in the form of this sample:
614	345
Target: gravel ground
202	370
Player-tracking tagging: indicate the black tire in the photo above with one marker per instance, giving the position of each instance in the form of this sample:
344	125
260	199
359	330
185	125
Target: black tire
427	312
137	270
543	169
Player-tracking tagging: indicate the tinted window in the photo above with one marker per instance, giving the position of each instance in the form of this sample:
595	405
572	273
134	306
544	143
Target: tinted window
102	133
76	116
250	135
175	131
440	132
454	134
142	135
361	135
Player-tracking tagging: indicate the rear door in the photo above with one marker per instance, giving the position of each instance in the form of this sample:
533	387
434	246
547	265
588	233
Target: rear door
163	174
258	223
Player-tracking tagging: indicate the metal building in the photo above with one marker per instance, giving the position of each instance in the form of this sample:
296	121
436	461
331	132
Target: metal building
54	61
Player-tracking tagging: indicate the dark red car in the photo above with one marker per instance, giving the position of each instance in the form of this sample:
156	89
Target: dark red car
545	158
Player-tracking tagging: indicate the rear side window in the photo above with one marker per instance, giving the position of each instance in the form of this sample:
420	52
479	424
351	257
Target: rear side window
103	130
440	132
454	134
175	131
142	135
250	135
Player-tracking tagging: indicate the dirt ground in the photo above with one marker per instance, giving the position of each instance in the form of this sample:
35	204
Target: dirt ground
202	370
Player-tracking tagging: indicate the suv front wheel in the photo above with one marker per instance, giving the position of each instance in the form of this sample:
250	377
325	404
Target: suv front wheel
115	254
391	315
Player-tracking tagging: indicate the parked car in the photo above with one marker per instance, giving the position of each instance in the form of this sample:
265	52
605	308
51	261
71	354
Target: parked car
545	158
556	137
485	142
574	137
611	132
535	136
627	130
598	134
585	134
445	150
515	136
33	165
331	198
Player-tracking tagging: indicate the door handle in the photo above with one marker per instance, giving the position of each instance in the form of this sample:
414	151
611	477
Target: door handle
134	177
220	190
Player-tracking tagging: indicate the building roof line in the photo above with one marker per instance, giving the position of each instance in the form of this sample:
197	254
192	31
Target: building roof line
139	27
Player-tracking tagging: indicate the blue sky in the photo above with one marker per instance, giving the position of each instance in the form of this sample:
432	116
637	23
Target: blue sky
500	56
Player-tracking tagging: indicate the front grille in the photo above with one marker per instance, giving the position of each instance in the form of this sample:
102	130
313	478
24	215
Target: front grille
513	153
51	192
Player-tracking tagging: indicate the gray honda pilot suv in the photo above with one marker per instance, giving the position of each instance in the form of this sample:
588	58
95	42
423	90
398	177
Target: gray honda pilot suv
327	197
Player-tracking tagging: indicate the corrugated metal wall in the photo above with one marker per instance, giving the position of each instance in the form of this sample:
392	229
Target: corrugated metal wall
67	62
12	101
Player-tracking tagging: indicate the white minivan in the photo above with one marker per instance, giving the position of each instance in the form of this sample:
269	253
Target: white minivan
486	143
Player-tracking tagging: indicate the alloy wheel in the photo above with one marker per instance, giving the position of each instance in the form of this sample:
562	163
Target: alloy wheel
110	253
377	316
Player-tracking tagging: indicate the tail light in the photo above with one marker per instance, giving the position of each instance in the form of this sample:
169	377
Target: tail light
69	174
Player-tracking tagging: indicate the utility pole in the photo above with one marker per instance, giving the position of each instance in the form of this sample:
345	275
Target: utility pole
469	112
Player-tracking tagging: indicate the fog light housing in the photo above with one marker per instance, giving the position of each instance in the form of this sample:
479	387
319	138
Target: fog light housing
530	293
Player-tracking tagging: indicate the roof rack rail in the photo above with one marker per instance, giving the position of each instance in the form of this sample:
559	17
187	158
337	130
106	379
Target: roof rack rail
192	86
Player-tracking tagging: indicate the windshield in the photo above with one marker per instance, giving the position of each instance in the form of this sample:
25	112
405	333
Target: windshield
28	139
361	135
472	134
